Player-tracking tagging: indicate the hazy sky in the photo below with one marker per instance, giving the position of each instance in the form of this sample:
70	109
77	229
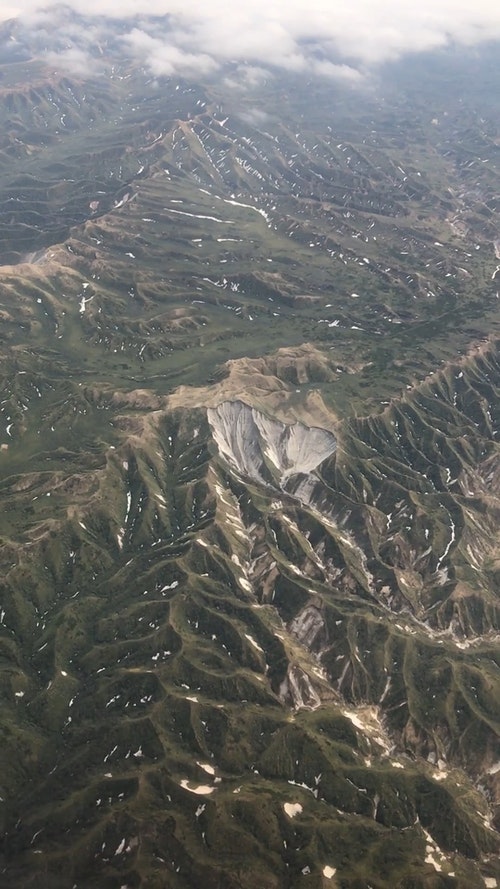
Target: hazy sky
203	33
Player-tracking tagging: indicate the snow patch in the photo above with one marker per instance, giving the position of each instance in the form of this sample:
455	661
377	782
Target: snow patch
253	642
200	789
292	809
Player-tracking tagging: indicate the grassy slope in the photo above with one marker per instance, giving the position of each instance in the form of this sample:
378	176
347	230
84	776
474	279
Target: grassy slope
152	600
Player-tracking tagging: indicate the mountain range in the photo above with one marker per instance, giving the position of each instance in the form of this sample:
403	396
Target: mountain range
250	474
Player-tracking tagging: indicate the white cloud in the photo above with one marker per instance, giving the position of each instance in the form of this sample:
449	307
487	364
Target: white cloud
163	57
254	116
299	35
74	60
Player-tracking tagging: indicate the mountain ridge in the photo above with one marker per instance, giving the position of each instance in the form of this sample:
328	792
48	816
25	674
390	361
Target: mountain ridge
250	478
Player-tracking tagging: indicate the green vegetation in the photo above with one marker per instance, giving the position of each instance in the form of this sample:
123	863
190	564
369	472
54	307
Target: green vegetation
278	676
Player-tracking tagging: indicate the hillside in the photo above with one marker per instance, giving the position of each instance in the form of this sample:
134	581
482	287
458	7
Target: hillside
250	476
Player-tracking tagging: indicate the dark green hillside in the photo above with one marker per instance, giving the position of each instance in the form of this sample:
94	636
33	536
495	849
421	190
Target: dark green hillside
250	482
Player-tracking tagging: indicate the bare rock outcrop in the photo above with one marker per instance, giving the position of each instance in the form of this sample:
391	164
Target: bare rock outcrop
263	448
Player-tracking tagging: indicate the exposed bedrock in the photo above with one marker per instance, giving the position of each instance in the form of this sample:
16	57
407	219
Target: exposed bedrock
265	449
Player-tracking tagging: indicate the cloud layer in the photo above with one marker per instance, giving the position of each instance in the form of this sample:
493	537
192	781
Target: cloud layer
331	38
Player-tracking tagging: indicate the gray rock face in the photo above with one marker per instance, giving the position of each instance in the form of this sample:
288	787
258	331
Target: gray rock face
265	449
309	628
